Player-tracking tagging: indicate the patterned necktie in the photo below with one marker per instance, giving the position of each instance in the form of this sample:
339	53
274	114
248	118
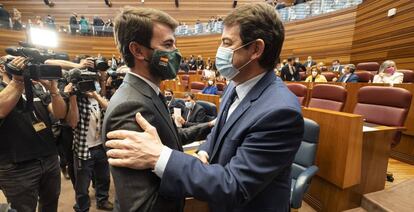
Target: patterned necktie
226	108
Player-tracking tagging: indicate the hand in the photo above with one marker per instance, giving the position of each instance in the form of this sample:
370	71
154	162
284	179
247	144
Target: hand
135	150
92	94
212	122
19	63
202	156
334	79
181	120
381	74
50	85
68	88
86	63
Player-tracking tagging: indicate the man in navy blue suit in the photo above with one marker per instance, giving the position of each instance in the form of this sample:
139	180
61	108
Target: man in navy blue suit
349	75
245	163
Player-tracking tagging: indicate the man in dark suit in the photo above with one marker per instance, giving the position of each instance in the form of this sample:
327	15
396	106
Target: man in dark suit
245	163
172	102
193	113
151	59
337	67
309	63
349	75
289	71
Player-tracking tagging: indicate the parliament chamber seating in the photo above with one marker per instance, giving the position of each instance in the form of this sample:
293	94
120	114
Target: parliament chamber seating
372	67
211	109
329	76
326	96
364	76
391	109
300	91
197	87
303	168
408	75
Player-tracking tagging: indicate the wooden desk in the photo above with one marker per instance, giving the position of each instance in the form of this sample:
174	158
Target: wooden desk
353	160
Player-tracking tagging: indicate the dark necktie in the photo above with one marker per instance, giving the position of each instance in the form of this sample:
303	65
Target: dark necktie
163	100
226	108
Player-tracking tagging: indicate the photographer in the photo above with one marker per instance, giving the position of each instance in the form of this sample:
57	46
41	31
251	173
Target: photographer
85	116
29	167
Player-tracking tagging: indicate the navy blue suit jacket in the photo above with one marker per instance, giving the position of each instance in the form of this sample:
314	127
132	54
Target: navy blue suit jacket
250	158
352	78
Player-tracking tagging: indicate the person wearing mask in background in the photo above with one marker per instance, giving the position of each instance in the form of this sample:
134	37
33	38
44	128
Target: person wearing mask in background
388	73
192	63
309	63
210	89
85	116
315	76
84	26
193	113
200	63
29	165
137	190
172	102
348	75
17	19
289	71
245	163
184	65
337	67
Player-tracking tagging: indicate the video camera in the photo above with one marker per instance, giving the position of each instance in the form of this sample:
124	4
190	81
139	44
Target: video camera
100	64
83	80
117	78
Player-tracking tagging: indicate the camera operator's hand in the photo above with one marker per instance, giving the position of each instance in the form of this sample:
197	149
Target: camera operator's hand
87	63
50	85
92	94
68	88
18	64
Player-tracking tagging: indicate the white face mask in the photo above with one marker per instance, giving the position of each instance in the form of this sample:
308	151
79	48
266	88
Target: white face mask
189	105
224	61
314	73
210	82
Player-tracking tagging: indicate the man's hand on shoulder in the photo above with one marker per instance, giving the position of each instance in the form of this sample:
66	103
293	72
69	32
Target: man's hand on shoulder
135	150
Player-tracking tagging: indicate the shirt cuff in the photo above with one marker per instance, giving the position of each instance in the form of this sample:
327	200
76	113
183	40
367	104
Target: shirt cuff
162	161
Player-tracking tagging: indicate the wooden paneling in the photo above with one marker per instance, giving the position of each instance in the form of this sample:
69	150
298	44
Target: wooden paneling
326	37
378	37
188	11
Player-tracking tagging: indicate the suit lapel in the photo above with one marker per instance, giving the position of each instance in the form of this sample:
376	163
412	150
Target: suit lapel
244	105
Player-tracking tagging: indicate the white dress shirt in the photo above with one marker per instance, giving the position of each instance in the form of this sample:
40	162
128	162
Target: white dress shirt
151	84
242	90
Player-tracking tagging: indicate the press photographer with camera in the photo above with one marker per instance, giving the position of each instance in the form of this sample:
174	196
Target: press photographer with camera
85	116
29	166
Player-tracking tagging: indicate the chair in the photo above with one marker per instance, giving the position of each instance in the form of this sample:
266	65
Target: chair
300	91
197	87
372	67
329	76
326	96
364	76
192	72
408	75
391	109
211	109
185	80
303	168
220	88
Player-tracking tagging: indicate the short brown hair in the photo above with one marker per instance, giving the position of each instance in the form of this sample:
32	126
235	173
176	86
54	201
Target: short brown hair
260	21
136	24
189	94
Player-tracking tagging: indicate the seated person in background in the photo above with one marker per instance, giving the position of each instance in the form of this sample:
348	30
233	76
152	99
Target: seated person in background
208	73
193	112
210	89
348	75
321	66
289	72
299	66
309	63
172	102
388	73
315	76
336	67
184	65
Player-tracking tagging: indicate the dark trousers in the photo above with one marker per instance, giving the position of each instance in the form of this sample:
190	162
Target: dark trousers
98	165
65	142
25	183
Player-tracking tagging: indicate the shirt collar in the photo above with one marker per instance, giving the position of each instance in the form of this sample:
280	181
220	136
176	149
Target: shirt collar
243	89
151	84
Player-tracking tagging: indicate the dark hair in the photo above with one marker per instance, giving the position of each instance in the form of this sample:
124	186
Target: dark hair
290	59
169	90
336	60
189	94
136	24
351	68
260	21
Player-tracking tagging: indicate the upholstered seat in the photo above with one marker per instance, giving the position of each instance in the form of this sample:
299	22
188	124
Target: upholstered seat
220	88
364	76
330	97
197	87
211	109
390	109
329	75
300	91
372	67
408	75
303	168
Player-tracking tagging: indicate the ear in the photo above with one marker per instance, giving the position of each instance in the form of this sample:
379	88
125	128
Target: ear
257	48
136	50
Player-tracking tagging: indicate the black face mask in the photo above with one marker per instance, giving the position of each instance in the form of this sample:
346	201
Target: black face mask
165	63
168	98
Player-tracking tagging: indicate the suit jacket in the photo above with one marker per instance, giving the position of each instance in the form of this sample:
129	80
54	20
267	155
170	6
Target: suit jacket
339	69
195	116
287	76
250	157
137	190
311	62
352	78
